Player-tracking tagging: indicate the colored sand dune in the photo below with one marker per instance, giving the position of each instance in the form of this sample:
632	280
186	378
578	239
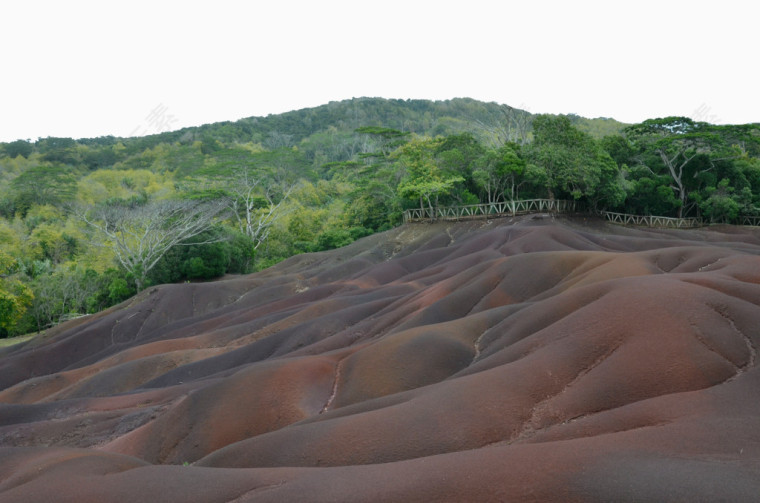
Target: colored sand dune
525	359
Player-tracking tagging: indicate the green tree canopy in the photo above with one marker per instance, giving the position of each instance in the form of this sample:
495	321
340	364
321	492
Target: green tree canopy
423	179
677	147
43	184
18	148
574	164
500	173
15	297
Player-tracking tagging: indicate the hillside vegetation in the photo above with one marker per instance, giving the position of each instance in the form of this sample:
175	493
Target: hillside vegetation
86	224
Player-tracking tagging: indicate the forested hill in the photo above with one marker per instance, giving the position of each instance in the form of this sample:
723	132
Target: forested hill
424	117
86	223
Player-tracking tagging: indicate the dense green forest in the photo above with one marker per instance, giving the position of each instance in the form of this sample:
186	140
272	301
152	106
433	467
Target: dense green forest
87	223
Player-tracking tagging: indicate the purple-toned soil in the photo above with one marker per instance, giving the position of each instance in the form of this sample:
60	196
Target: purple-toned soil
527	359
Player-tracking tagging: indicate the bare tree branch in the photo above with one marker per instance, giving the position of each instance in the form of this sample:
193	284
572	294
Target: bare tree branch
256	203
511	125
140	235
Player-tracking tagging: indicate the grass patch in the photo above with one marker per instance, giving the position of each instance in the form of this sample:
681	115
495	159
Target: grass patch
10	341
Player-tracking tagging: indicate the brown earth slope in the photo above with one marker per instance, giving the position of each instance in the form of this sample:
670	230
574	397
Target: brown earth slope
525	359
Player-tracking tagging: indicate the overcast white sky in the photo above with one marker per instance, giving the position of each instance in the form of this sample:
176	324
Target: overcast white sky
91	68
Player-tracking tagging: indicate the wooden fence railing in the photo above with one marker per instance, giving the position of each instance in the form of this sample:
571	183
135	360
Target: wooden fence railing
652	221
491	210
746	220
526	206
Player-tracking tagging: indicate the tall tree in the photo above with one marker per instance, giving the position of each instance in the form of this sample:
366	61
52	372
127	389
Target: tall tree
499	174
18	148
507	125
58	150
573	162
423	180
456	155
140	235
43	184
381	143
679	144
15	297
256	202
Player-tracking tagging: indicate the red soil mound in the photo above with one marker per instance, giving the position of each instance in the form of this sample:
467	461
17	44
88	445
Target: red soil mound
512	360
